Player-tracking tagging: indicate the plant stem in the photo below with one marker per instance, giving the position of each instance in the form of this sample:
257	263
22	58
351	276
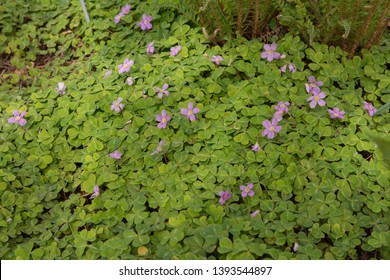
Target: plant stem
255	30
239	16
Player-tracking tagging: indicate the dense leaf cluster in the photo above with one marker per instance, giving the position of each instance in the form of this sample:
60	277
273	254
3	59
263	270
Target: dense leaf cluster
320	182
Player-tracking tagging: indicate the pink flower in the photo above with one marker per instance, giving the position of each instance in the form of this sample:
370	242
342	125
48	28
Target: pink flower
278	116
145	23
292	68
317	98
295	247
255	213
217	59
282	106
256	147
107	74
61	88
270	128
130	80
18	118
162	91
270	52
115	155
312	84
190	111
224	195
336	113
126	66
126	9
370	109
118	18
117	106
150	48
159	148
175	50
247	190
96	192
163	119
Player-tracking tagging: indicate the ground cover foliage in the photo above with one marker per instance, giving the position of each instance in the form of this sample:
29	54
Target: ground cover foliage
320	183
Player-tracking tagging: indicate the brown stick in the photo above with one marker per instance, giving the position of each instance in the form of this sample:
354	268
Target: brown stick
255	30
239	16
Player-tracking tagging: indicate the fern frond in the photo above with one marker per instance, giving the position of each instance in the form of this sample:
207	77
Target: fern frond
380	27
346	24
364	28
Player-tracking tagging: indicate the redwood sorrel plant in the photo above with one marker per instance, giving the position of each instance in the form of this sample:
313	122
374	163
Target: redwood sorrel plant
112	147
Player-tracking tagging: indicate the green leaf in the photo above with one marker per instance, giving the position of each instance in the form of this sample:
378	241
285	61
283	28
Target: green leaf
23	251
95	145
225	245
382	109
178	221
177	235
88	107
384	146
43	135
242	138
106	177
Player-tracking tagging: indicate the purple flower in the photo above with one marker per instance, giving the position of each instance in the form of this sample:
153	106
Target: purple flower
270	128
223	196
107	74
96	192
116	155
370	109
336	113
270	52
175	50
292	68
61	88
145	23
126	66
163	119
126	9
159	148
247	190
312	84
255	213
317	98
190	111
282	106
162	91
130	80
18	118
150	48
217	59
117	106
295	247
118	18
256	147
278	116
